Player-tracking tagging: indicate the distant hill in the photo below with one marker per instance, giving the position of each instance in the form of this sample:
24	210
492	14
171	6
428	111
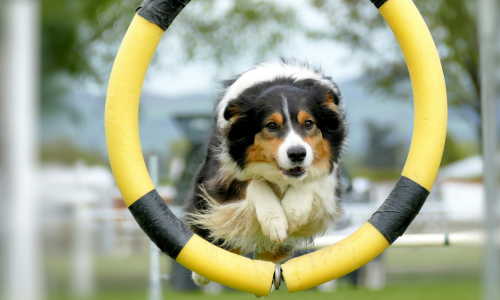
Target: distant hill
157	129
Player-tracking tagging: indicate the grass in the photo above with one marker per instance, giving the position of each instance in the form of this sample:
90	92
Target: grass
466	290
432	256
437	273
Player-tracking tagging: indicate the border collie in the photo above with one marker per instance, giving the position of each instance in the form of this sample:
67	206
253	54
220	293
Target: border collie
271	177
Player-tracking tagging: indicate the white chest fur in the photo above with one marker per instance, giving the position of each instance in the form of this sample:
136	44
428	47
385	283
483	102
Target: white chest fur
268	219
304	210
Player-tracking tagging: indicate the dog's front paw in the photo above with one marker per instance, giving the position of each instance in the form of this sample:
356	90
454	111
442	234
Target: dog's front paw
275	229
297	205
268	211
200	280
296	218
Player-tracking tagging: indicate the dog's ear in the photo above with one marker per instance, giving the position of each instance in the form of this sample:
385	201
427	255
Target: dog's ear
236	108
325	96
332	97
232	109
326	107
332	101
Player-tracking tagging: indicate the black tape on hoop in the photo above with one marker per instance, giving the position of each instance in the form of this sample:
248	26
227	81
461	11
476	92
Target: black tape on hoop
401	207
160	224
378	3
161	12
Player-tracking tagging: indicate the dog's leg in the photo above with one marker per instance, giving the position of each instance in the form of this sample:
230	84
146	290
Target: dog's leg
297	204
268	209
199	280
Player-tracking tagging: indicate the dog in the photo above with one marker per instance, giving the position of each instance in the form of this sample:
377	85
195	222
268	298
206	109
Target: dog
271	178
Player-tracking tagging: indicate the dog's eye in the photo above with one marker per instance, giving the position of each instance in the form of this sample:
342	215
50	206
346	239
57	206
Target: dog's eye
308	124
271	126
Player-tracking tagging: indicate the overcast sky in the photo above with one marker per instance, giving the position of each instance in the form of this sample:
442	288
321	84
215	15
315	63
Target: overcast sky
200	77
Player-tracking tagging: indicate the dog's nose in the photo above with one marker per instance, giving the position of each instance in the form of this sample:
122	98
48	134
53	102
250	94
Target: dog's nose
296	154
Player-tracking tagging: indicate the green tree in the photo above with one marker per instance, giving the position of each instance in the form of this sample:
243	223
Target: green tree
64	46
80	38
453	26
455	150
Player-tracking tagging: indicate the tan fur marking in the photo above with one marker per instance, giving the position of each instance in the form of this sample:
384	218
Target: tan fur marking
266	145
302	116
333	107
330	103
321	149
234	110
277	256
264	149
233	119
276	117
237	251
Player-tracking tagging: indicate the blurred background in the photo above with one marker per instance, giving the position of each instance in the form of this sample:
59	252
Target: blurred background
65	232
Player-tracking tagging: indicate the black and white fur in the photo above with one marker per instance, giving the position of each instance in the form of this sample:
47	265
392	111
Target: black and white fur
265	187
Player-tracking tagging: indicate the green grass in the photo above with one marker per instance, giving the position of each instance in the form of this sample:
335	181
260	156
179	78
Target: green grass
466	290
434	273
432	256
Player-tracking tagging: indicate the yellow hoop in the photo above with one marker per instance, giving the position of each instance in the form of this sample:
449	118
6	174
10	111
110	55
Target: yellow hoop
173	237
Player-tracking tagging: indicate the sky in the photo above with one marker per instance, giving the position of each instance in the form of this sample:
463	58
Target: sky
201	77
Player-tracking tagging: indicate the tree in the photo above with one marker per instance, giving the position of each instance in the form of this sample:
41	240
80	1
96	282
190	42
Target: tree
64	46
80	38
453	26
456	150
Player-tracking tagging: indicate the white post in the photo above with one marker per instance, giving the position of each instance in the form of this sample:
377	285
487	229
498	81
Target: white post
328	287
20	92
374	274
82	277
155	292
488	34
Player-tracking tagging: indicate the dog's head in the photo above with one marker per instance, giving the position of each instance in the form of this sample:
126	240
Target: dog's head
284	126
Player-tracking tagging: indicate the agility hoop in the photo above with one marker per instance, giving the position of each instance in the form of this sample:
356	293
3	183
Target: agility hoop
174	238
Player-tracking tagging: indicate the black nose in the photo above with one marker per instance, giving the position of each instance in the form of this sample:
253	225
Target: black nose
296	154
